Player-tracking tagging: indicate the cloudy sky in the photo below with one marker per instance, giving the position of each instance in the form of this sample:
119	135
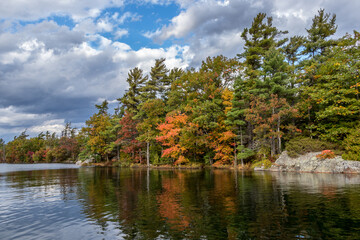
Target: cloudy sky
59	58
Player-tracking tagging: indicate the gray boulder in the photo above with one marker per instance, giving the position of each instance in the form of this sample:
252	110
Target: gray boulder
86	162
310	163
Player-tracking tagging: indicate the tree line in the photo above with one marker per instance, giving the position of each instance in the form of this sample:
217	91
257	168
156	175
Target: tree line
229	110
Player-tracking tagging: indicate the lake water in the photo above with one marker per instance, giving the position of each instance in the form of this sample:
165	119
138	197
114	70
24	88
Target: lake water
66	202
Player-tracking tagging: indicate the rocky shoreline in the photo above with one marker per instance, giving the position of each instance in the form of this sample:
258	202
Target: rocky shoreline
310	163
307	163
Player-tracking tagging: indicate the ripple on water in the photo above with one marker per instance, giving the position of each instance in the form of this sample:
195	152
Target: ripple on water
101	203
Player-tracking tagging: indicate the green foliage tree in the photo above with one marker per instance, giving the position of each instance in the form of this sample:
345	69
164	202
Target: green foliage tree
332	91
159	81
96	129
133	96
323	26
151	114
2	150
276	91
352	145
259	38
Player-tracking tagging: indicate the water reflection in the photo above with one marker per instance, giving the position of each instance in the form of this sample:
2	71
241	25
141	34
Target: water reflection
111	203
310	182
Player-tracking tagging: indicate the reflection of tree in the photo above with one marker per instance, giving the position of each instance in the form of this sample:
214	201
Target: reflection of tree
169	202
211	204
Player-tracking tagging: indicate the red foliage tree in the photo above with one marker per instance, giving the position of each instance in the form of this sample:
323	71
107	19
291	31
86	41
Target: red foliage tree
127	137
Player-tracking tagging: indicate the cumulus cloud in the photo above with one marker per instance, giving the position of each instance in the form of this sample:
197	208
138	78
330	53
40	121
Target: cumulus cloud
121	33
36	9
213	27
53	126
210	17
127	16
52	72
43	80
12	116
14	120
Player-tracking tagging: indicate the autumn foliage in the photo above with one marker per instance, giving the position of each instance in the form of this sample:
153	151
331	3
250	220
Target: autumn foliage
277	93
171	133
326	154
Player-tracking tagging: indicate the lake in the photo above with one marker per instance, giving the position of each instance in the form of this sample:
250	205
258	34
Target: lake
66	202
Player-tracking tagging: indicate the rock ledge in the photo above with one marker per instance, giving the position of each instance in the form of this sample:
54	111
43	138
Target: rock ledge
310	163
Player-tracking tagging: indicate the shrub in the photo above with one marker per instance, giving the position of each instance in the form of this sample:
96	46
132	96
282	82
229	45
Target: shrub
302	145
266	163
181	160
326	154
352	145
40	155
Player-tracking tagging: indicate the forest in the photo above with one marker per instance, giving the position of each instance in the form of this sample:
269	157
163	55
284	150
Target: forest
298	93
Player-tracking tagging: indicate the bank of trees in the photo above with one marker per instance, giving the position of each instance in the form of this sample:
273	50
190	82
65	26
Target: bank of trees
45	147
231	111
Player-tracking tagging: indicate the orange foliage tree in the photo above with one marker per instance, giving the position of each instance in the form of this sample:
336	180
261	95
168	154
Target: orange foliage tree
171	133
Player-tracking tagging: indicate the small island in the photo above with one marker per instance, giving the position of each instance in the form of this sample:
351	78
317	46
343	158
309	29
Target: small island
262	142
293	94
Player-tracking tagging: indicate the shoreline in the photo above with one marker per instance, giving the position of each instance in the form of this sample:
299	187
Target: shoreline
307	163
310	163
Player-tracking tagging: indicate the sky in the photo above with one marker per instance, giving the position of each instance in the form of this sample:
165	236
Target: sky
60	58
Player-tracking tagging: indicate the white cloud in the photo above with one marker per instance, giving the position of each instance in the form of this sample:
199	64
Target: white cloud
207	17
44	79
86	26
132	17
144	58
57	72
121	33
12	116
35	9
103	25
53	126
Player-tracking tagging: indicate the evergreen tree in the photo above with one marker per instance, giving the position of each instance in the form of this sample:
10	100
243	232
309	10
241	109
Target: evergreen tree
96	131
158	82
236	119
323	26
133	96
151	114
259	38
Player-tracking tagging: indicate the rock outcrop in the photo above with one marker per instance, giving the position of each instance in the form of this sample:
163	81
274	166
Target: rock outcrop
310	163
86	162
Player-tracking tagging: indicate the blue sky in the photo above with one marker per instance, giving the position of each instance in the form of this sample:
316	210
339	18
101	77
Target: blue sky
59	58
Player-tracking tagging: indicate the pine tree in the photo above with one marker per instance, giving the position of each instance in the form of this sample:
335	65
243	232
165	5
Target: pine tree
323	26
150	115
133	96
236	119
158	82
259	38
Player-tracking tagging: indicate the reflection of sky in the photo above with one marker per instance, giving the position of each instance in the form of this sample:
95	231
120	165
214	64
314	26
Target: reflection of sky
111	203
36	205
313	182
4	168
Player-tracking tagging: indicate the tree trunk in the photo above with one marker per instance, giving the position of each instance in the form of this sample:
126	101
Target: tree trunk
279	137
140	156
272	142
148	154
250	134
309	124
242	143
235	157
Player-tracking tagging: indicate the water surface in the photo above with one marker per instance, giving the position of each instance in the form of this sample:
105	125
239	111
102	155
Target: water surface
112	203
